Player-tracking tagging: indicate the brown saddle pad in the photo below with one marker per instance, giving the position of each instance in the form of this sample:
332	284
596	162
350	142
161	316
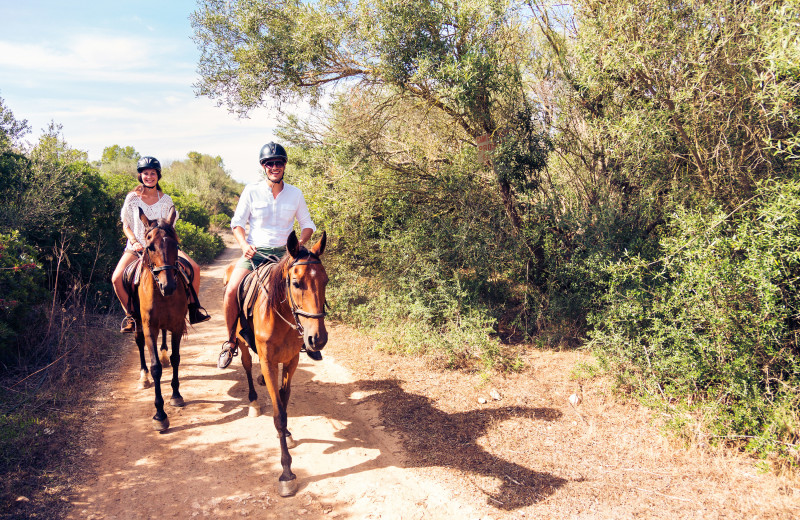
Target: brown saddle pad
248	289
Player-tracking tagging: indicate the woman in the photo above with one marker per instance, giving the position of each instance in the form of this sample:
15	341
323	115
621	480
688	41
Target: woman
155	204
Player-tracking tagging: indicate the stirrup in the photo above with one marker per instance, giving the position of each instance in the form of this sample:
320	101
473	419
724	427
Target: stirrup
229	351
128	325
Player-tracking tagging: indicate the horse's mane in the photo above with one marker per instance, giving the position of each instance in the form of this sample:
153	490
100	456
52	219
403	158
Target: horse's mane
276	283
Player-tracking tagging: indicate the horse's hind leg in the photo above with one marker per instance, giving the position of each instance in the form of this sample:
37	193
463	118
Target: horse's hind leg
163	353
247	362
175	358
144	380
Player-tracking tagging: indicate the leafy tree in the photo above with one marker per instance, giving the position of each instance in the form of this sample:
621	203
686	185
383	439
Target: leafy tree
11	129
689	98
204	177
119	159
117	152
459	59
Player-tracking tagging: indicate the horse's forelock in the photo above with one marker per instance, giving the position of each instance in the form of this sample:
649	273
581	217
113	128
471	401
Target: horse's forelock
168	228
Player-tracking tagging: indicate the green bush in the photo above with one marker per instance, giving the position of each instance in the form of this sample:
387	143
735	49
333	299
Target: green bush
202	246
190	209
219	222
22	282
712	325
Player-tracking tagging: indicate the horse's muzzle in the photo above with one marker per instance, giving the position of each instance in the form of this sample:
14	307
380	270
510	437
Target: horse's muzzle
315	340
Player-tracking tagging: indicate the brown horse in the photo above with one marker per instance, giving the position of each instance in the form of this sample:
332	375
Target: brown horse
288	313
162	306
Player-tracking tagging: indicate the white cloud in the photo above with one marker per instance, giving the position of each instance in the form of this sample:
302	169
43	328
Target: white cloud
107	87
94	58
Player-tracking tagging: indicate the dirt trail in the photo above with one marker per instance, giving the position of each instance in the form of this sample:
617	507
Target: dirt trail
215	461
403	441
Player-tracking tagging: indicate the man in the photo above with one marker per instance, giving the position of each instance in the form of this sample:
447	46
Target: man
270	207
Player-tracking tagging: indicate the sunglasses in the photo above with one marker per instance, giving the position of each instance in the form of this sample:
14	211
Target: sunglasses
273	164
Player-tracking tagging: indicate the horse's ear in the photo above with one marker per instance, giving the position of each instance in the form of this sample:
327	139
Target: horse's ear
293	245
171	216
319	247
146	221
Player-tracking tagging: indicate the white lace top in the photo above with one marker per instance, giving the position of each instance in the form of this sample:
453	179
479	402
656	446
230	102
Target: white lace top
130	214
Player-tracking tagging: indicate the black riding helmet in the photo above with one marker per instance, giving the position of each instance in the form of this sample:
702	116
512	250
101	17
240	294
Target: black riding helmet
272	151
148	162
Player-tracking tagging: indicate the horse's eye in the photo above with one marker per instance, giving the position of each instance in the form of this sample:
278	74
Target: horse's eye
296	283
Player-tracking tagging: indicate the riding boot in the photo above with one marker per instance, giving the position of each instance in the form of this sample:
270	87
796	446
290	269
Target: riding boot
229	351
197	314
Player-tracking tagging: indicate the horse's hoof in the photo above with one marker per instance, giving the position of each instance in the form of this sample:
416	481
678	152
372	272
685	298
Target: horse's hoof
260	380
254	410
287	488
160	426
177	401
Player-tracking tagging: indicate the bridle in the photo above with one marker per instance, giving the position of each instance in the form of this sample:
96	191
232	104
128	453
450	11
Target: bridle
296	310
154	270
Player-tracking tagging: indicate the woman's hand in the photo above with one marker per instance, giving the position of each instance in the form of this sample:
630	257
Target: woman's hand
137	246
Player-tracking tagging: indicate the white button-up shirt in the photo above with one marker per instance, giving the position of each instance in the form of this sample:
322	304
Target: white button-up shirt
271	218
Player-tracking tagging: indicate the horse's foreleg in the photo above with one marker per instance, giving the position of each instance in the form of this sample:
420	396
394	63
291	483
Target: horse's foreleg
163	353
287	482
175	359
144	380
247	362
286	392
160	420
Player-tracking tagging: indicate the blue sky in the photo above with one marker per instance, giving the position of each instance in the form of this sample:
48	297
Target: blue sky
120	72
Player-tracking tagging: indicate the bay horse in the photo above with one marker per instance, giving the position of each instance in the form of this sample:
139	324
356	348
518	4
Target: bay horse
162	306
289	313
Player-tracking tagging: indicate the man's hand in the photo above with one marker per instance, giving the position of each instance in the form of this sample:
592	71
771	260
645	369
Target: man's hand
249	251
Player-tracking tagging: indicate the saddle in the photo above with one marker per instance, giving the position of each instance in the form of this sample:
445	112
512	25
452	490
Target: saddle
133	274
246	296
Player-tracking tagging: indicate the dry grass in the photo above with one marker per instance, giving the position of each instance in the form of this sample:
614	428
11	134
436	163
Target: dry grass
44	416
531	454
